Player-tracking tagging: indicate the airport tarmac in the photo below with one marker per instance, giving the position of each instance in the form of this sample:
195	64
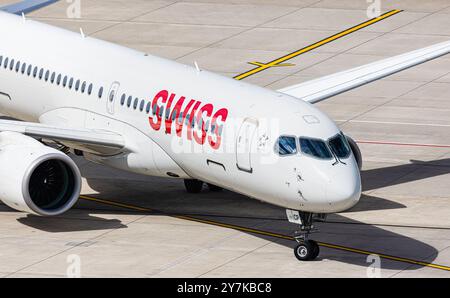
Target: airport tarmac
130	225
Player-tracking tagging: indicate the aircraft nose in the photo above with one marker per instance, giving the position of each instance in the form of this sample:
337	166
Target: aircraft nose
344	189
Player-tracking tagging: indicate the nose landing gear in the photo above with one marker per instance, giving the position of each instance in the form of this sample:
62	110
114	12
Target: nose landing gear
306	250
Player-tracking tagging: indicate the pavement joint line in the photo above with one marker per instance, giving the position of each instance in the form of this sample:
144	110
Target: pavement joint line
245	30
65	250
356	46
119	22
280	61
277	218
233	260
269	234
409	91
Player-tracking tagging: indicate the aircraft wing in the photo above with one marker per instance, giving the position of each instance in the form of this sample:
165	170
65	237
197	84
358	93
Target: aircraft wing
95	141
26	6
322	88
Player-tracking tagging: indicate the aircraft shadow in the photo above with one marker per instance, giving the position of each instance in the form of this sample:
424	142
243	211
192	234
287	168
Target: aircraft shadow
404	173
169	197
72	222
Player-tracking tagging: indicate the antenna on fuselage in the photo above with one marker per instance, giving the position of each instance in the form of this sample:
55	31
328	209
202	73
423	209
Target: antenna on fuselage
24	18
197	67
82	33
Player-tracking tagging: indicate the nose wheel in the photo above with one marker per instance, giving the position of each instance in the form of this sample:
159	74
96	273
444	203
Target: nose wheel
306	249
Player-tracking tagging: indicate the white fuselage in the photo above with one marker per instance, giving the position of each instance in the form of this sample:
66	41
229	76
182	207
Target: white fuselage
233	146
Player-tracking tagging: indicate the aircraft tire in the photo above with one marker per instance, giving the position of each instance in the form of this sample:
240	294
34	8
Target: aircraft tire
307	250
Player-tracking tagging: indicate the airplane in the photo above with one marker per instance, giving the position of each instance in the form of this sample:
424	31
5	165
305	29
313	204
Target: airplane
122	108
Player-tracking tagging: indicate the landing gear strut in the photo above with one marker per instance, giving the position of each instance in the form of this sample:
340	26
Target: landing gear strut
306	249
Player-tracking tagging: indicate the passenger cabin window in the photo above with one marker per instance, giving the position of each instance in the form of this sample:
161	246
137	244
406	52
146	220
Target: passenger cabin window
65	81
58	79
340	146
112	94
6	63
315	148
35	71
286	145
70	83
11	64
77	85
135	104
130	99
47	75
41	73
24	67
141	106
52	78
148	107
17	66
122	99
100	92
90	89
29	70
83	87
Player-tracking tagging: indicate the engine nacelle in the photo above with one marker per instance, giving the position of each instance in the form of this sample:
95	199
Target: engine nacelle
356	151
36	178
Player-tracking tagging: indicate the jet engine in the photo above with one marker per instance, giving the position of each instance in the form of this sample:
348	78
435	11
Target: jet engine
36	178
356	151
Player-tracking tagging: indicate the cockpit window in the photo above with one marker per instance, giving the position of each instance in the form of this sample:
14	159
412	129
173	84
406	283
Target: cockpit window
339	146
314	147
286	146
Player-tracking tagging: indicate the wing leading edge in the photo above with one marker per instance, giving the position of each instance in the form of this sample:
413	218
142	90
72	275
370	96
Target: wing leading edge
322	88
95	141
26	6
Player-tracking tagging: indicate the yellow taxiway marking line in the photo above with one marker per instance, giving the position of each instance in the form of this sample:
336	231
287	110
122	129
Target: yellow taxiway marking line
280	61
270	234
